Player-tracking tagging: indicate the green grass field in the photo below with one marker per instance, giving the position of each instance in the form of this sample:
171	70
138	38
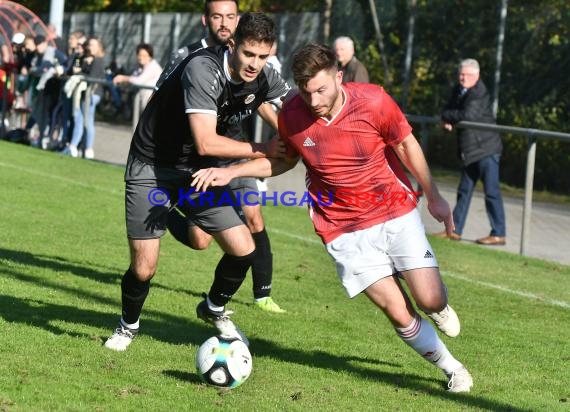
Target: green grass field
62	254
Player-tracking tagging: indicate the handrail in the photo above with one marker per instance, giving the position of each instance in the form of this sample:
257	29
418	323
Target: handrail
531	134
492	127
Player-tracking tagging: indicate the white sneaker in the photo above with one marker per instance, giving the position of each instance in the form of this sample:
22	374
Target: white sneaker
89	154
121	338
221	321
460	380
45	142
446	321
72	150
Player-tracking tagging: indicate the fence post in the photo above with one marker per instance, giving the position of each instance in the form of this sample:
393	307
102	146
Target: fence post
528	187
86	105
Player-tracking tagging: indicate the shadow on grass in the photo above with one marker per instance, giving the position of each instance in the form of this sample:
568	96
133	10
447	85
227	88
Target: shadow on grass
59	264
180	330
324	360
45	315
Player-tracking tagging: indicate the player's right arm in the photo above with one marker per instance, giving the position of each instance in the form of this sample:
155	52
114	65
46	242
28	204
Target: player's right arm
209	143
203	82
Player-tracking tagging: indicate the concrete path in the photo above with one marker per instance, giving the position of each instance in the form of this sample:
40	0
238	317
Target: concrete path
550	224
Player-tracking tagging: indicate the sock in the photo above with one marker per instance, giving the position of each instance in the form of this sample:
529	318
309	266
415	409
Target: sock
178	227
262	268
229	276
133	295
212	307
134	326
422	337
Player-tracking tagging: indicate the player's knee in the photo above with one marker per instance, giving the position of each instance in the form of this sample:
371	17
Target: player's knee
254	220
143	272
200	243
432	303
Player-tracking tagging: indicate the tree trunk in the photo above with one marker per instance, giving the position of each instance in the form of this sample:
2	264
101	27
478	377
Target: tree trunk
380	40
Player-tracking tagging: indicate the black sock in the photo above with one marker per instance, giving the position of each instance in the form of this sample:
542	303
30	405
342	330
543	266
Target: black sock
178	227
229	276
262	268
133	295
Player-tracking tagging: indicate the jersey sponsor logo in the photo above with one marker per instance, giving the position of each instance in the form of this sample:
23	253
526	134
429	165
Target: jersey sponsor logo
309	142
235	118
249	99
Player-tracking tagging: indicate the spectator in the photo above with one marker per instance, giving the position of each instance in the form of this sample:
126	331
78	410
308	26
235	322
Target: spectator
75	51
61	120
55	38
479	150
46	66
146	74
5	55
92	67
352	69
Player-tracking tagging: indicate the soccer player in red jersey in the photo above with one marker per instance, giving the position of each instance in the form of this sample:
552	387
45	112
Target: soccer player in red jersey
362	210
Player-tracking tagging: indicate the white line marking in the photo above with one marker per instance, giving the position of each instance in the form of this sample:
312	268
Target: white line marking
527	295
61	179
298	237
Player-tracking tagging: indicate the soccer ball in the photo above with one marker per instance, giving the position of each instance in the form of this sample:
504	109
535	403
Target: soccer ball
223	362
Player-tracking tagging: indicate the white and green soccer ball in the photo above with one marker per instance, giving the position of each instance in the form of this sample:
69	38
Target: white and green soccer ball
224	362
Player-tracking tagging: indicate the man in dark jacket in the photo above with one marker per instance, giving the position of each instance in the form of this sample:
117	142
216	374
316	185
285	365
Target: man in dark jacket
479	150
352	69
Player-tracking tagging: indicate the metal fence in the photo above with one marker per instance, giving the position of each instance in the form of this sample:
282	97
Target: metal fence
531	135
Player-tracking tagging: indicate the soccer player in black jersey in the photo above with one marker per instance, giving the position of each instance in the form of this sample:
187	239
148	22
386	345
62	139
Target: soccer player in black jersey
184	128
221	18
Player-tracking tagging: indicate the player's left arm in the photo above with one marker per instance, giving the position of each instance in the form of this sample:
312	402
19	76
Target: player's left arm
410	153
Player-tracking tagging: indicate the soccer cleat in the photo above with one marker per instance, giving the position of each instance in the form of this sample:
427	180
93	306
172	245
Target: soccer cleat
121	338
460	380
221	320
446	321
268	305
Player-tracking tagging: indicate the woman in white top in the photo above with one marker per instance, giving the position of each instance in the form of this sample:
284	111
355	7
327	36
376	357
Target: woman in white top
146	75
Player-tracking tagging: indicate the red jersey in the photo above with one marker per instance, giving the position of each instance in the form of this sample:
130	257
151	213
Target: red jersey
350	180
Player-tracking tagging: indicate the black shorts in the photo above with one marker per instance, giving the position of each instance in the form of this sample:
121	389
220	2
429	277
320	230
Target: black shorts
151	192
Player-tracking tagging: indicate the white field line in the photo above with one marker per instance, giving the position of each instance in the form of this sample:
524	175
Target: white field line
67	180
528	295
520	293
315	241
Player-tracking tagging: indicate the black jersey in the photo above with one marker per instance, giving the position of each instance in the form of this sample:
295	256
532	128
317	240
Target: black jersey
199	84
178	57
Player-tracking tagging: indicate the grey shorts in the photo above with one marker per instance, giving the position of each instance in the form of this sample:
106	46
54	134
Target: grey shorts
151	191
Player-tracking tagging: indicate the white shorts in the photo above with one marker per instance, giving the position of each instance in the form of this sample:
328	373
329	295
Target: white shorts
365	256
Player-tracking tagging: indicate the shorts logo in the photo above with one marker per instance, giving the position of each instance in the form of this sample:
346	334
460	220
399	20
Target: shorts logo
309	142
428	255
249	99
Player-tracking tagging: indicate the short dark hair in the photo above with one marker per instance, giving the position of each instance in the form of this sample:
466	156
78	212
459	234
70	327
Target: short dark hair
311	59
207	5
257	27
146	47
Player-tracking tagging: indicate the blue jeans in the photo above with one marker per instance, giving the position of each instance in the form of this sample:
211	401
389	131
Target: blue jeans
89	124
486	169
